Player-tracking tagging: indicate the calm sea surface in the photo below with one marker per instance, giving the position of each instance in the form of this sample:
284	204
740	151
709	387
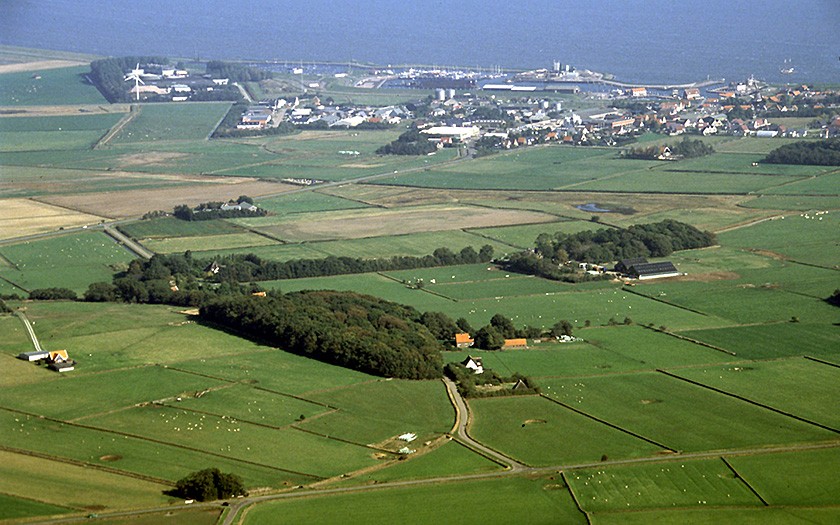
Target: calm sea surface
636	40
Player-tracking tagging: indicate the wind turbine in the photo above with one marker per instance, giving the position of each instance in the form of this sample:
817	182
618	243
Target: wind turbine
135	75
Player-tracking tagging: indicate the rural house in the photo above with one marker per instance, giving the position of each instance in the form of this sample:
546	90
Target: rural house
463	340
515	343
474	364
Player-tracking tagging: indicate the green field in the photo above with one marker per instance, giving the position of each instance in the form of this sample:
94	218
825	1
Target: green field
55	86
369	413
683	484
541	499
12	507
680	415
226	241
823	185
806	477
54	133
416	244
773	341
538	432
70	261
81	487
524	236
811	239
172	121
795	203
450	459
777	384
165	227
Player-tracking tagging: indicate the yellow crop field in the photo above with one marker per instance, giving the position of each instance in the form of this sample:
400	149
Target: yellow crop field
19	217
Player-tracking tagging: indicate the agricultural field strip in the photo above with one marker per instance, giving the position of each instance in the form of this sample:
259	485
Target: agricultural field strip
158	442
748	400
607	423
528	470
745	481
86	464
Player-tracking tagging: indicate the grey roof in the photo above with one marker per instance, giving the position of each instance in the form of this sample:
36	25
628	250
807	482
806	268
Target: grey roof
654	268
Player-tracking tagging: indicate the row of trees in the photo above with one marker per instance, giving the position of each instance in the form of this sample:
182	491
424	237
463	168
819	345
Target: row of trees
412	142
213	210
242	268
686	148
817	152
355	331
236	72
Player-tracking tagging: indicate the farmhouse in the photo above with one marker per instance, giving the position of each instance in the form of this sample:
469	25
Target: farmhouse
515	343
34	356
474	364
60	361
463	340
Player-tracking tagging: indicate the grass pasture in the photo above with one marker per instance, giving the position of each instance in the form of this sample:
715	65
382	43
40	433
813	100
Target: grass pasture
773	341
806	477
166	227
226	241
70	261
48	87
823	185
235	439
12	507
670	181
130	454
54	133
777	384
373	412
416	244
811	239
793	202
538	432
683	484
81	488
525	235
679	415
172	121
541	499
699	516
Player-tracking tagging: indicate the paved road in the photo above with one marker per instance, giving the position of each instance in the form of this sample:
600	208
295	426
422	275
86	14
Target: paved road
462	420
127	242
30	330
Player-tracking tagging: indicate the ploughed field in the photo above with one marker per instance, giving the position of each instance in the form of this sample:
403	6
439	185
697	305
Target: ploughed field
707	397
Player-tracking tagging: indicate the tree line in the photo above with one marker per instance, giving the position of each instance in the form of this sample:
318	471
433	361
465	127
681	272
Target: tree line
213	210
469	383
811	152
236	72
686	148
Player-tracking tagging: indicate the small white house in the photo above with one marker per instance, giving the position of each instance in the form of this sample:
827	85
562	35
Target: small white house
474	364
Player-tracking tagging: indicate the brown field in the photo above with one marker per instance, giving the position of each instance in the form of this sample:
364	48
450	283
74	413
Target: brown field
59	111
19	217
373	223
39	65
134	203
561	203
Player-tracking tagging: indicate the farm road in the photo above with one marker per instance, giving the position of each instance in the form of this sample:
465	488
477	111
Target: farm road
127	242
462	419
30	330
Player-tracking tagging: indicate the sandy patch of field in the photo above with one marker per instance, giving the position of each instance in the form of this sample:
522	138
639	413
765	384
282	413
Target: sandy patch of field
374	223
150	158
19	217
134	203
708	277
39	65
361	165
59	111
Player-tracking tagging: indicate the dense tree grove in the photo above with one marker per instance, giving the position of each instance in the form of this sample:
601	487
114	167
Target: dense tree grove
108	75
47	294
611	244
412	142
210	484
343	328
816	152
686	148
236	72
